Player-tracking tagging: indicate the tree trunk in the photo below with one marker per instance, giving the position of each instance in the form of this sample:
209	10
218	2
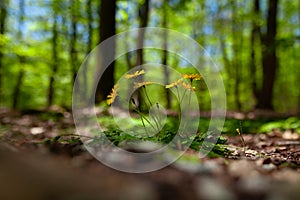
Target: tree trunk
255	36
54	64
90	27
200	36
143	21
21	74
236	61
84	84
73	39
225	55
299	73
3	15
17	88
269	58
165	53
129	55
143	14
107	29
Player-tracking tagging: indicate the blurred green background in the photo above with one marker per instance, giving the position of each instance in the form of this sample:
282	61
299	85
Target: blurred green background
255	42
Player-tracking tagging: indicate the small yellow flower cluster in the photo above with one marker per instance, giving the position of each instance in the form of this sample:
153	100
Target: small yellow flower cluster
135	74
137	85
185	85
111	97
182	84
195	77
174	84
113	94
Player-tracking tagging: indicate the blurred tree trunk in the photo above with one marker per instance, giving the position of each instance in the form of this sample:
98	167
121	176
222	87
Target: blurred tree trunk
88	47
143	21
269	58
54	64
236	60
3	15
126	22
225	55
165	52
90	26
21	74
107	29
200	36
299	73
73	39
224	49
254	39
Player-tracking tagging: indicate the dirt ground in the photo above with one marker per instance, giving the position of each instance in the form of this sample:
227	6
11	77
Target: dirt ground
32	168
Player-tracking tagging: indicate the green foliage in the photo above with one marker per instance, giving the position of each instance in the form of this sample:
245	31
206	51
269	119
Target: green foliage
3	41
261	125
291	123
116	134
248	126
206	22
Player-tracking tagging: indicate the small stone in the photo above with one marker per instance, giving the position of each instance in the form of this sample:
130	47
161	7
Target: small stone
37	130
269	167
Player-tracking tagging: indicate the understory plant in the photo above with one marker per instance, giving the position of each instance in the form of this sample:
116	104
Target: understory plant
183	87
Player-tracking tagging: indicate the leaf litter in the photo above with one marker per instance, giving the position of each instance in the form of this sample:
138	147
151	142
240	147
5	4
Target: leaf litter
267	166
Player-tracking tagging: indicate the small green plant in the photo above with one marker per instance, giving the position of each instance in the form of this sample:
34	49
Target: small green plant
292	123
240	132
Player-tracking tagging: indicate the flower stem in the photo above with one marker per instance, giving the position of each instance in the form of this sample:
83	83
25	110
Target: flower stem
146	93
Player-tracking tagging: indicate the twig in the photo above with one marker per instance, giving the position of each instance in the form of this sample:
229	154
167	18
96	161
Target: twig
240	132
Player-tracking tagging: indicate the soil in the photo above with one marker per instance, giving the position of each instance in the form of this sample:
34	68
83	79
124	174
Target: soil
35	164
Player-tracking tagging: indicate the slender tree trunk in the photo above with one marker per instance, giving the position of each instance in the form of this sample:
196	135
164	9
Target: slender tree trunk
21	74
165	52
225	57
143	18
201	38
3	15
17	88
88	47
107	29
254	38
129	55
269	58
90	27
73	39
143	14
236	62
54	64
299	73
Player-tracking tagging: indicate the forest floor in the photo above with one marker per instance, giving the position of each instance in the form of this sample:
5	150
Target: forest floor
34	166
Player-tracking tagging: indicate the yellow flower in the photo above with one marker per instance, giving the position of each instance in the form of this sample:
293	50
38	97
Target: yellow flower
174	83
113	94
137	85
135	74
192	76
